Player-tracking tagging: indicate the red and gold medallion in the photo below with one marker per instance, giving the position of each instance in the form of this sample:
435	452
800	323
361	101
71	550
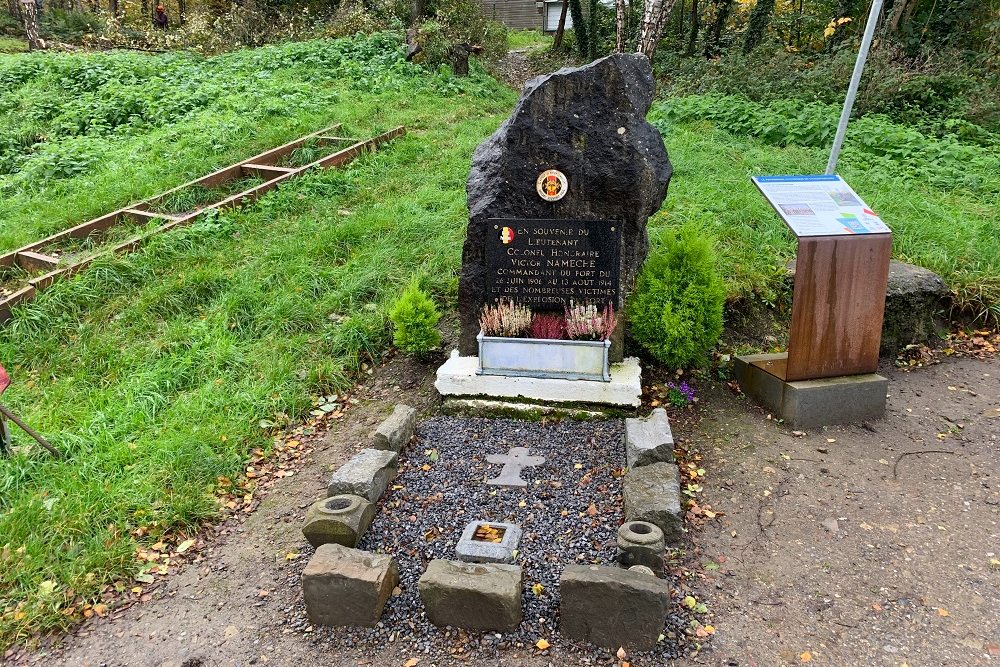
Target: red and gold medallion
552	185
507	235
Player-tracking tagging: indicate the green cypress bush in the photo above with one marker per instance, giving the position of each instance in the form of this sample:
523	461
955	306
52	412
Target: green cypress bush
414	321
675	311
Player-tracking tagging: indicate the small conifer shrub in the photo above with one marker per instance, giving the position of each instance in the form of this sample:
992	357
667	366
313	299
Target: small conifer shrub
675	311
414	321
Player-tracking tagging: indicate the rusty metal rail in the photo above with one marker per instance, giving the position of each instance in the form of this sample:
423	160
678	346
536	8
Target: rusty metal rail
32	258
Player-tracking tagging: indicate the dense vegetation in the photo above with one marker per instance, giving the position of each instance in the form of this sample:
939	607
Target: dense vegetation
155	372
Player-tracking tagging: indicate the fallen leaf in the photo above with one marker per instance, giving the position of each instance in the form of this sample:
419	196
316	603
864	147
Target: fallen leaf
805	656
291	556
184	546
689	602
621	653
101	610
537	589
412	662
942	611
541	644
592	510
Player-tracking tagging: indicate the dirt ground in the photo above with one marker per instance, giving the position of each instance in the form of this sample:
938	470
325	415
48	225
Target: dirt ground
903	577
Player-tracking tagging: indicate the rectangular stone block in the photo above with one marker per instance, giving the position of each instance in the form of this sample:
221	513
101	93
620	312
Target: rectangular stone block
366	474
344	586
811	403
841	400
611	607
393	433
653	494
470	550
473	596
649	440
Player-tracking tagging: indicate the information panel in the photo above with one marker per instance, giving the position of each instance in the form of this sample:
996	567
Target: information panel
546	263
819	205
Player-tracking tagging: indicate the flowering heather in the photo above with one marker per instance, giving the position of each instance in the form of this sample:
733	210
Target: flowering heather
548	326
505	318
585	322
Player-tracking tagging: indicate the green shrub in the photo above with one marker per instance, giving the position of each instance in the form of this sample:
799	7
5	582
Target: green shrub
456	22
414	320
675	311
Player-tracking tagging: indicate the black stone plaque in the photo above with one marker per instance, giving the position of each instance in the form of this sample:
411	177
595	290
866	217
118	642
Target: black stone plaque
543	264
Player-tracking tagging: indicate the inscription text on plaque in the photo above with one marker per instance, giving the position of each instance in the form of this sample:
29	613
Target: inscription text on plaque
546	263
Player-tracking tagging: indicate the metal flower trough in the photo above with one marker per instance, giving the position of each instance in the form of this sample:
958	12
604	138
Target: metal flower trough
544	358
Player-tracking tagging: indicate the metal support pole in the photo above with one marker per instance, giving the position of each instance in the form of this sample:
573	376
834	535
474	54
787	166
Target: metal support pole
852	90
5	443
5	411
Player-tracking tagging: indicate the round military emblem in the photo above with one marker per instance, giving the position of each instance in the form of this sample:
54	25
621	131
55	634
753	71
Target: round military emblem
507	235
552	185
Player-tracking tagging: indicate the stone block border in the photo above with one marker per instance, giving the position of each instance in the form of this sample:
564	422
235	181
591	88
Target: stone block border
393	433
474	596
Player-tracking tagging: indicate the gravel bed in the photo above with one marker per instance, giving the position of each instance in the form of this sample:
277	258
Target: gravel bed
569	512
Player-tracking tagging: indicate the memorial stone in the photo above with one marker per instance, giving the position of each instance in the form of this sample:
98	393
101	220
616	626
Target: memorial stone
559	195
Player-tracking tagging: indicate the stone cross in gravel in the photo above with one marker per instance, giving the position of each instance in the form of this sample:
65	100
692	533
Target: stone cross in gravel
510	474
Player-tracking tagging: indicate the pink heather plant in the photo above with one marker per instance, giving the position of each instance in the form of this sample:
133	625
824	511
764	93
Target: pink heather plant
585	322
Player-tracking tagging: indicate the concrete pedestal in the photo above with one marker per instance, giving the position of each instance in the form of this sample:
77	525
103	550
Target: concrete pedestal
457	379
810	403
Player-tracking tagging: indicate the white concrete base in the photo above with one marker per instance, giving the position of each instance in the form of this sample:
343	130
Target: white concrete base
457	378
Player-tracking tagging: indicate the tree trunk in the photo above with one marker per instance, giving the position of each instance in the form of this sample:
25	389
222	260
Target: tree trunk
592	30
722	10
561	28
654	17
579	28
760	18
29	17
113	7
417	9
619	26
181	11
901	12
695	27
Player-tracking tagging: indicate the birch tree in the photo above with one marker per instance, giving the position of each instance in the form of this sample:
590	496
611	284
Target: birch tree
654	18
29	15
619	26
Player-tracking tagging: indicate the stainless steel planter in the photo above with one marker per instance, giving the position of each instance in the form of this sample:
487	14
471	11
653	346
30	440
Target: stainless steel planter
543	358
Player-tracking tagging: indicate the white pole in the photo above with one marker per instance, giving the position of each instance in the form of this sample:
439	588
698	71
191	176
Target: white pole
852	90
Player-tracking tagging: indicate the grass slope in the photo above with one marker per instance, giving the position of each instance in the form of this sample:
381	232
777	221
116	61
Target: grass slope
152	371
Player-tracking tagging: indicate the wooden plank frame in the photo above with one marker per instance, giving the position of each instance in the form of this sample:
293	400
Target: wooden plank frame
262	166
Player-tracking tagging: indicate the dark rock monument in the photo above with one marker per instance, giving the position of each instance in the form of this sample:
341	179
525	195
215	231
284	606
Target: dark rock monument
589	123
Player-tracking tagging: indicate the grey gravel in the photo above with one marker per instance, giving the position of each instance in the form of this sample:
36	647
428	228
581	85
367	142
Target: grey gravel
569	513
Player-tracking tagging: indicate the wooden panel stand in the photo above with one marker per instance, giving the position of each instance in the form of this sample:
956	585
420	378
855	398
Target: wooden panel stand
837	307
